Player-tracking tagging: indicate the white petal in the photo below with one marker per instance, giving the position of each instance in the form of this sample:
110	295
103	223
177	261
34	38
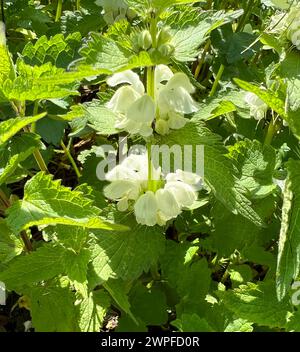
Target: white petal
123	204
145	209
127	77
176	99
121	173
183	193
119	189
187	177
162	73
167	204
176	121
123	98
142	110
181	80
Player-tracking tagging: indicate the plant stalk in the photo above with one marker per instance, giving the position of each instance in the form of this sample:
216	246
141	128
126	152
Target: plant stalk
217	80
72	161
24	236
58	10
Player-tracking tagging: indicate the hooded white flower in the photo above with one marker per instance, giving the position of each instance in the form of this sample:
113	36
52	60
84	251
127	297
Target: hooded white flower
129	187
114	10
136	110
129	180
258	108
173	99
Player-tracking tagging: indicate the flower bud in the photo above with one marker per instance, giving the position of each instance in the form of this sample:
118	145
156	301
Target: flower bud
166	50
163	37
145	40
162	127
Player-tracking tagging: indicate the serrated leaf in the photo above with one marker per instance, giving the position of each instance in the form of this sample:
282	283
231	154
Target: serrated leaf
256	164
288	263
219	172
92	311
13	152
233	232
37	83
125	255
100	118
257	304
58	50
10	245
57	306
191	323
117	290
187	38
47	202
45	263
11	127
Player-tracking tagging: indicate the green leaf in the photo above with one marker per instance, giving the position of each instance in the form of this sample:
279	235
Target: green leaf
13	152
239	325
38	82
189	35
117	290
288	264
125	255
58	50
104	53
11	127
43	264
92	311
256	164
192	323
100	118
10	245
234	232
47	202
275	103
6	67
52	308
257	304
219	172
149	304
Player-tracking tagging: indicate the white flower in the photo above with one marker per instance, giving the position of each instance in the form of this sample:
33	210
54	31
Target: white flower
258	108
113	10
145	209
129	180
173	99
129	186
135	109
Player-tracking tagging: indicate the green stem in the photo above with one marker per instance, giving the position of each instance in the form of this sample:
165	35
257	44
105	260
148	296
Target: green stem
201	60
153	30
38	156
272	129
68	154
58	10
24	236
78	5
243	20
217	80
35	112
151	93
